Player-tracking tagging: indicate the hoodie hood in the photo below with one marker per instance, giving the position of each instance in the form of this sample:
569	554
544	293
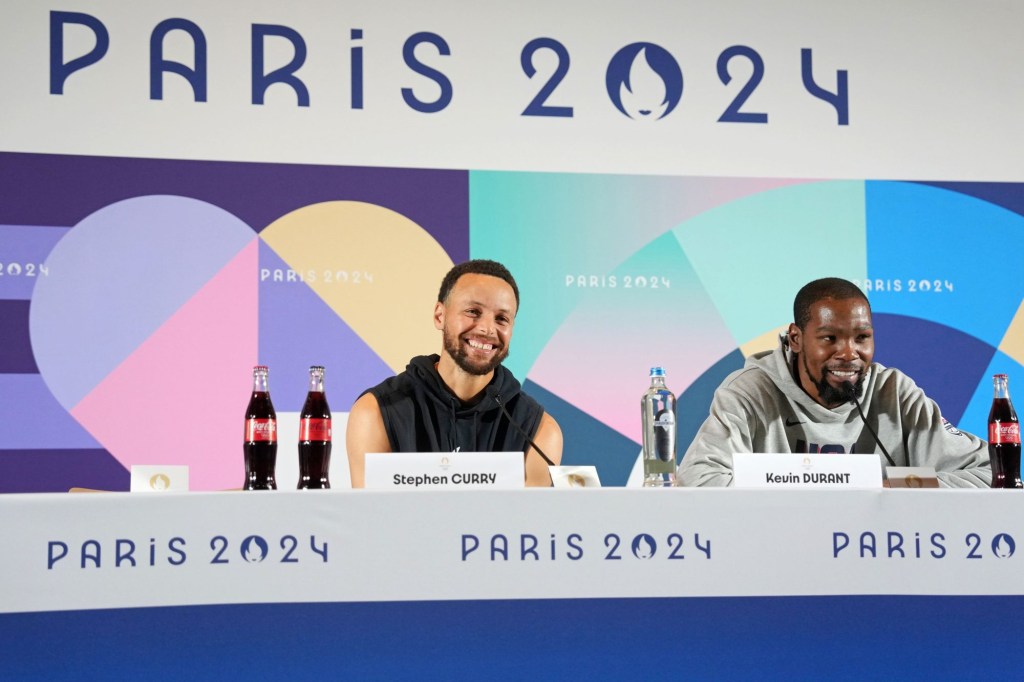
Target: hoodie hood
503	386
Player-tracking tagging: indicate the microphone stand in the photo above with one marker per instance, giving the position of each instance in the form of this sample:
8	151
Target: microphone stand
853	399
522	432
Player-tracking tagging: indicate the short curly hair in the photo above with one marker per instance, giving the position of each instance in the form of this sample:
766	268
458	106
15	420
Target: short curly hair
479	266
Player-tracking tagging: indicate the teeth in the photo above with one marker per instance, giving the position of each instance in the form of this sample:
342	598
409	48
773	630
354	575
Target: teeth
480	346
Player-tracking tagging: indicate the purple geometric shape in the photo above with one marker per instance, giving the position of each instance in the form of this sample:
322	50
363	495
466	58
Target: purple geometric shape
33	419
945	362
296	330
15	345
48	189
119	275
23	251
56	471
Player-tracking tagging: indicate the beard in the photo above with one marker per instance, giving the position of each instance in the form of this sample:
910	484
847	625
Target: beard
831	395
453	346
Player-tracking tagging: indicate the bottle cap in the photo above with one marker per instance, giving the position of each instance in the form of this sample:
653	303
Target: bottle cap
316	368
657	371
259	368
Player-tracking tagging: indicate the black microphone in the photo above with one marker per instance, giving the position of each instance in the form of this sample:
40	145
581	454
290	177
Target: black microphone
518	428
851	391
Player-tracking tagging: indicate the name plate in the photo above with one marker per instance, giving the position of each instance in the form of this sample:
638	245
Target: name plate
150	478
451	470
794	470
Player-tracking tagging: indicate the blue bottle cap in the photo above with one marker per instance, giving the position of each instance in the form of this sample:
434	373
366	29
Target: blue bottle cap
657	371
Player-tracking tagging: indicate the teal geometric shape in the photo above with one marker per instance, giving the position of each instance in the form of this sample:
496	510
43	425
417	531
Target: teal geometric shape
754	254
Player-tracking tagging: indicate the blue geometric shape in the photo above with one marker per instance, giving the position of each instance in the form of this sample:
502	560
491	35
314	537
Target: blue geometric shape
932	254
1005	194
945	362
694	404
975	418
587	441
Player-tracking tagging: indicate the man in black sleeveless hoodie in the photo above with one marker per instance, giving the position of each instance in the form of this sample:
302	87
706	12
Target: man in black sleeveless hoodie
453	401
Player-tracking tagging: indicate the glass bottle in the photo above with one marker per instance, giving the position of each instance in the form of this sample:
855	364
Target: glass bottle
658	411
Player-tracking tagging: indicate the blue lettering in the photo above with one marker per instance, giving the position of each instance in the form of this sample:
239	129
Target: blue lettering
52	558
468	549
528	547
896	544
838	537
575	552
120	555
499	546
867	544
93	556
59	70
174	545
285	74
158	65
409	55
357	70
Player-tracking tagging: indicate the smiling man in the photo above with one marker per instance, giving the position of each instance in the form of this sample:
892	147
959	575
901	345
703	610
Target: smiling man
799	398
453	401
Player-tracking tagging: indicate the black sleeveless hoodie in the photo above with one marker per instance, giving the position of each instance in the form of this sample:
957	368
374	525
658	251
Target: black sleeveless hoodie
422	415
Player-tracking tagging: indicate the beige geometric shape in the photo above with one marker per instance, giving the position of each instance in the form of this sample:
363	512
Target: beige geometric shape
1013	342
391	267
767	341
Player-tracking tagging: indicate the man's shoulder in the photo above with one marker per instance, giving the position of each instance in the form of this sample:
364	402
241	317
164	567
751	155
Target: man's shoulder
750	380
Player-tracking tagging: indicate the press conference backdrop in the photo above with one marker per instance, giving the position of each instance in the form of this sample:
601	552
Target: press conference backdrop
190	189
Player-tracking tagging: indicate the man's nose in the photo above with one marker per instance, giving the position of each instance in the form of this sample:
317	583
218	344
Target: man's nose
486	324
846	350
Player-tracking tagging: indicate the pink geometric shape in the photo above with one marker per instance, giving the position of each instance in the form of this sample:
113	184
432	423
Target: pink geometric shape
180	397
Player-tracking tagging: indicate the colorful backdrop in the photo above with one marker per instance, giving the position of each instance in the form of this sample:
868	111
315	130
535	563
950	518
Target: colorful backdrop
191	190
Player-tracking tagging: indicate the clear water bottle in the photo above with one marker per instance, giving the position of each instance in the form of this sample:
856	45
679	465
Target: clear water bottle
658	410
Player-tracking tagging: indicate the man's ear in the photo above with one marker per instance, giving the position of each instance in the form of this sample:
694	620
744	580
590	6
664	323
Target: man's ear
795	337
439	315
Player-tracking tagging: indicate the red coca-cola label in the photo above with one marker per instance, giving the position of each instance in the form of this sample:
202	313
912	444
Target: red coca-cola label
1004	432
315	429
261	430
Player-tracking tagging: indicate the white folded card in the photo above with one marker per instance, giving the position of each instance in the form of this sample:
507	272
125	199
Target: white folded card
575	477
795	470
155	478
911	477
432	470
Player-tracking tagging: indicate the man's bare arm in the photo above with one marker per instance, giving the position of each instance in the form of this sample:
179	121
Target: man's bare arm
549	439
365	433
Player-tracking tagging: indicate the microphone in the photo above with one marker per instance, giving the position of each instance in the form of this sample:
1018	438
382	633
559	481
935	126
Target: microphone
851	391
522	432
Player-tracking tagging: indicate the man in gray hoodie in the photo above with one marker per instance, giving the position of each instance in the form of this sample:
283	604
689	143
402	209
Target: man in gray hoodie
799	398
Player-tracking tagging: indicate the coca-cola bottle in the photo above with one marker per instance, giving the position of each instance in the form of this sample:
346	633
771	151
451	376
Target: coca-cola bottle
260	444
1004	437
315	434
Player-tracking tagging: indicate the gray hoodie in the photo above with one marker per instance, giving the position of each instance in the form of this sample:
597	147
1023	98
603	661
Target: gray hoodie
761	408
